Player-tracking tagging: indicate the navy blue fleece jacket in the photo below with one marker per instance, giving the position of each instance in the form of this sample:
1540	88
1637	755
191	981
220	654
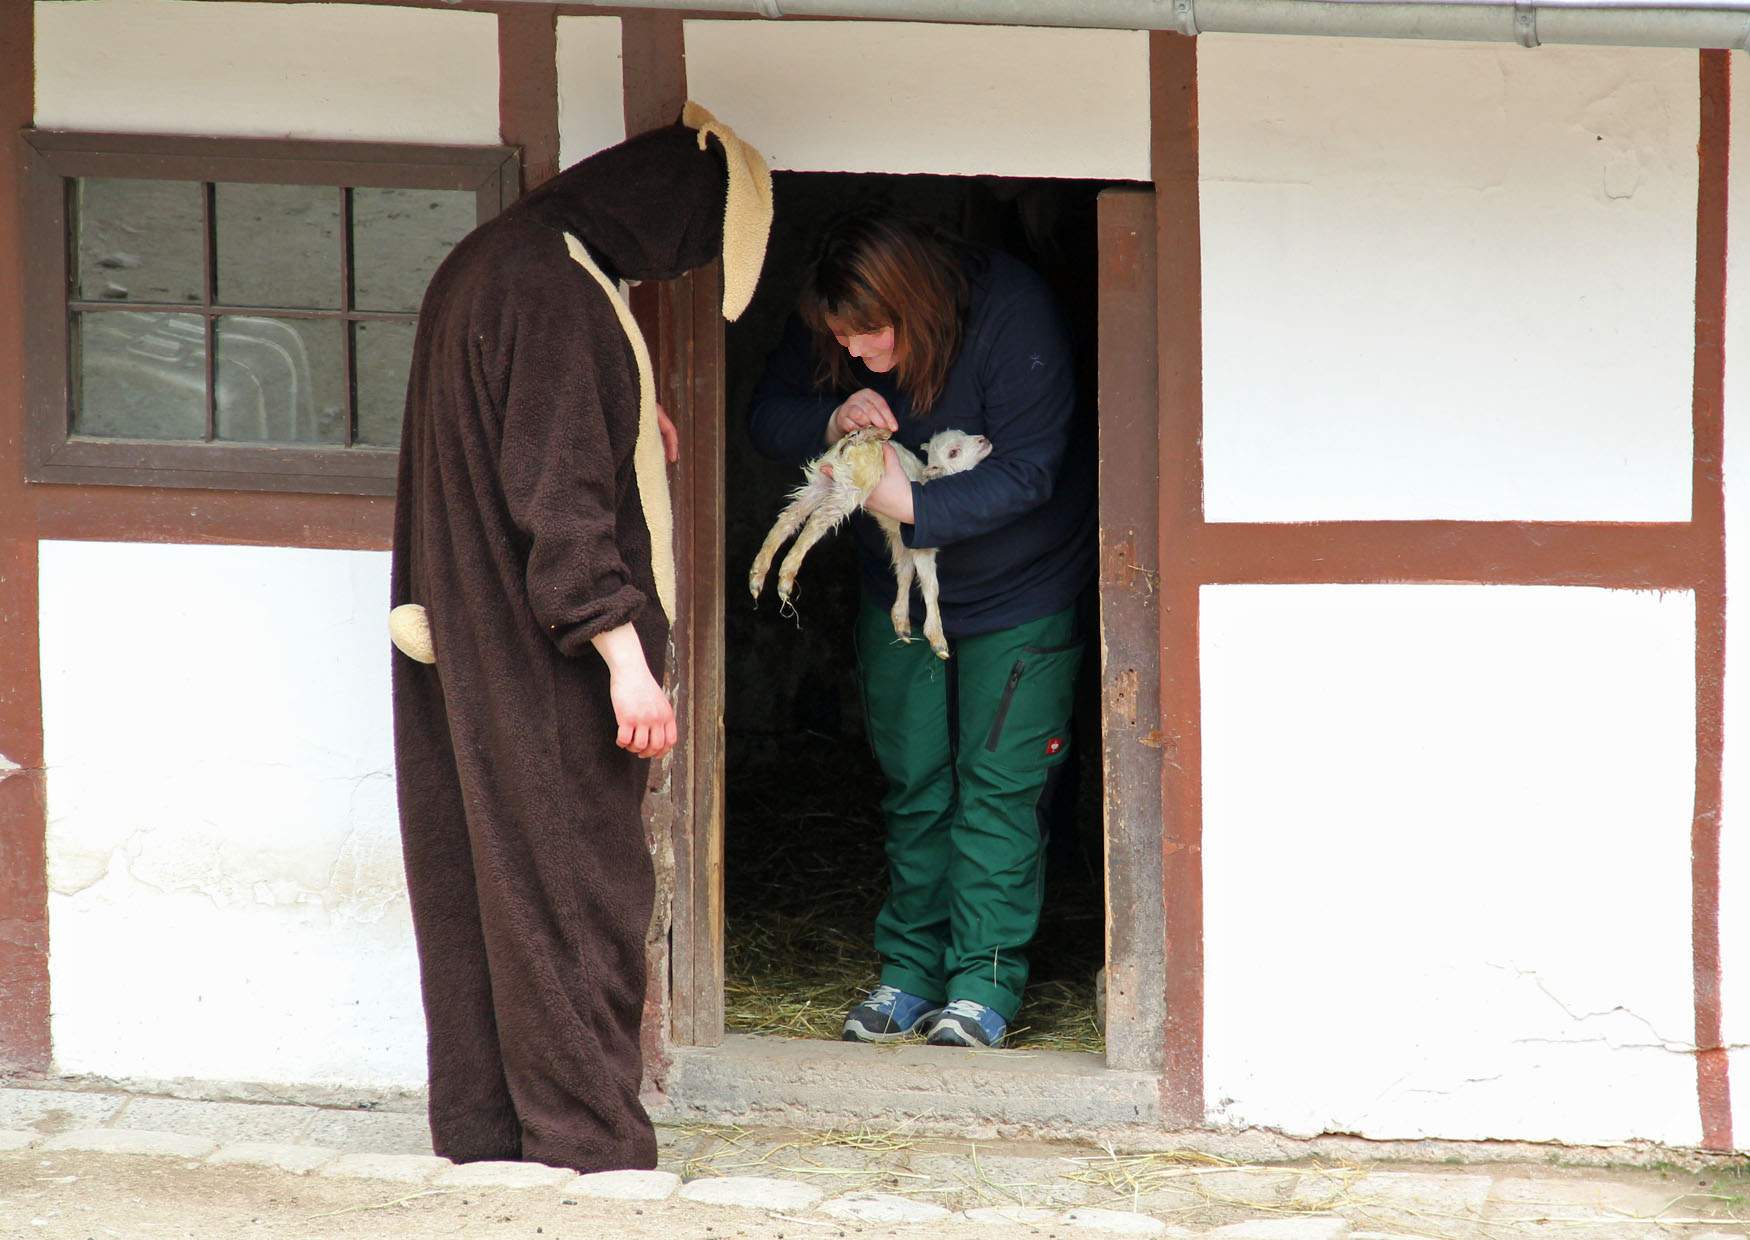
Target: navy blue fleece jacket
1016	535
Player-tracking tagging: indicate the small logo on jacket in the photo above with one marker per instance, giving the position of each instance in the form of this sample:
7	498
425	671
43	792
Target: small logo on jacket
1053	746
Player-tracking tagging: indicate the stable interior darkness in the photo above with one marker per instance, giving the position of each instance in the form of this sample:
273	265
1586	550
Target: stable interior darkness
804	867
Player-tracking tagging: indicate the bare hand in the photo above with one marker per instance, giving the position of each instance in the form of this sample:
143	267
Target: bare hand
892	495
643	711
671	438
865	407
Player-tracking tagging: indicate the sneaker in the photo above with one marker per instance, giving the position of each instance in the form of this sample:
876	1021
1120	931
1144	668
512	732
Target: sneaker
965	1023
887	1015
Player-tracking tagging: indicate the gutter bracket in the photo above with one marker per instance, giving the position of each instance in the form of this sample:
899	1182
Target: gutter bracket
1525	24
1185	17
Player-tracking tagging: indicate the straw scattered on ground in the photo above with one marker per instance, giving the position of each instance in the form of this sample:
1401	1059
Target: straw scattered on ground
1185	1187
805	876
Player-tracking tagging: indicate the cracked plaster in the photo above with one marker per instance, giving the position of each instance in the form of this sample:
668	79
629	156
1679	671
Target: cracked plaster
224	850
1492	940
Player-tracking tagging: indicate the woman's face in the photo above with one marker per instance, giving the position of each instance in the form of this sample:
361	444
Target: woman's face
873	348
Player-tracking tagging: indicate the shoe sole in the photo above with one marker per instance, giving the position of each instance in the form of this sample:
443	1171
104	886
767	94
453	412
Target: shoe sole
954	1035
858	1033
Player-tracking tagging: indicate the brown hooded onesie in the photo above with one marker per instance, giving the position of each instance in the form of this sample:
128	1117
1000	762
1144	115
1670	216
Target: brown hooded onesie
519	525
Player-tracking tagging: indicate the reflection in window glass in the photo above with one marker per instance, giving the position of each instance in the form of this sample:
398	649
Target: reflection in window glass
278	245
138	240
382	354
399	236
139	375
279	380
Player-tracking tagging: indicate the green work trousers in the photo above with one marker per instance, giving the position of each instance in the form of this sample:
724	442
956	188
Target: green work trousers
970	747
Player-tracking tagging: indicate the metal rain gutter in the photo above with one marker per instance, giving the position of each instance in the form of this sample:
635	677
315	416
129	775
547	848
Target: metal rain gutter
1619	23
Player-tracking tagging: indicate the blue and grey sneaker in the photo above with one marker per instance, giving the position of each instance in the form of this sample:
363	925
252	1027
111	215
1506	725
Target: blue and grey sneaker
965	1023
887	1015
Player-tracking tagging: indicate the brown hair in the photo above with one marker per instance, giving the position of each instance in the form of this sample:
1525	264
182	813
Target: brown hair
874	271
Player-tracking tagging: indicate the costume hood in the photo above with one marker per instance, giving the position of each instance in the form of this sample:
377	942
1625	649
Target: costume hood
651	208
668	201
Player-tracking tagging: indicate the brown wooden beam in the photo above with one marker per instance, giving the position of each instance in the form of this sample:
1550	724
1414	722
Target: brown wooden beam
528	89
1708	513
653	73
1130	673
1632	557
24	940
1179	350
243	518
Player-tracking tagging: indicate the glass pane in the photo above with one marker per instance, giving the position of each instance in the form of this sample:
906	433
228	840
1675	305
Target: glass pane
279	380
139	376
383	353
278	245
137	240
399	236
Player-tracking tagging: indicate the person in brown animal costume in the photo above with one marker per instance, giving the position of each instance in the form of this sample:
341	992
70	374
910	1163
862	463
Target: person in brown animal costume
533	587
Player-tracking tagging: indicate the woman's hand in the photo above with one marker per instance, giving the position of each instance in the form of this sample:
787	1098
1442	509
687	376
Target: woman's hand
671	438
892	495
865	407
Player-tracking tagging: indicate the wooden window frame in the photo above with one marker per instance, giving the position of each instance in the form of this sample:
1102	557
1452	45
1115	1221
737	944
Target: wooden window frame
53	159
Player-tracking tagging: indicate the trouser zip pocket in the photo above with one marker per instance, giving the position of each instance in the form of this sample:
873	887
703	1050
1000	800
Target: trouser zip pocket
996	725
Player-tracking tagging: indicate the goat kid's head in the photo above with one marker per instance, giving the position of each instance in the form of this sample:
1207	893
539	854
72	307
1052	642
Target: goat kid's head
953	452
864	434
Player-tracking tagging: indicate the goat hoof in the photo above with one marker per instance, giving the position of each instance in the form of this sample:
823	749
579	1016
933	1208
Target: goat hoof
941	652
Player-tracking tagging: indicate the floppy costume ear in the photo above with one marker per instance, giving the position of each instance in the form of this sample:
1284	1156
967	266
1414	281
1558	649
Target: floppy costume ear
747	209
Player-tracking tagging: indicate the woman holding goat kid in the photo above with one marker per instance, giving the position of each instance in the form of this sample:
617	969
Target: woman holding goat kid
906	330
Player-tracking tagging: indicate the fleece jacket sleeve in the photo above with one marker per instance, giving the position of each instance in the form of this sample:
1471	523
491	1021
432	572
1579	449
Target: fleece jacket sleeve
788	416
557	466
1026	378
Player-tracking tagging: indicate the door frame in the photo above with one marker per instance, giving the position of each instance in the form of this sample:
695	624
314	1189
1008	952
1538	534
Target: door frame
690	362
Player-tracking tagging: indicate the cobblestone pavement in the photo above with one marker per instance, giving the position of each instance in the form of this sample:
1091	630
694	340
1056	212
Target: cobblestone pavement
87	1164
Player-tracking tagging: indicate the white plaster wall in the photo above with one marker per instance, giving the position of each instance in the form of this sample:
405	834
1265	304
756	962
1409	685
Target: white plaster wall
905	97
592	110
268	70
227	899
1735	810
1446	861
1446	280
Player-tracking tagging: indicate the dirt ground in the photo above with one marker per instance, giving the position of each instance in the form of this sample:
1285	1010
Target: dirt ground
94	1196
76	1196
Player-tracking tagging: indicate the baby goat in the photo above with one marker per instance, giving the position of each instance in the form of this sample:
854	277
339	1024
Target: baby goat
821	503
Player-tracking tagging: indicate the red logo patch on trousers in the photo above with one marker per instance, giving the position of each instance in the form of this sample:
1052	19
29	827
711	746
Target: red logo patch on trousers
1053	746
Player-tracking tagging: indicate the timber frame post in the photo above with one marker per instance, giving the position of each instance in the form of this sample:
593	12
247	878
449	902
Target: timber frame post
1130	684
683	321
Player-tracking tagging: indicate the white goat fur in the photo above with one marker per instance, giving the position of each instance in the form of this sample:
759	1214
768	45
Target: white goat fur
821	503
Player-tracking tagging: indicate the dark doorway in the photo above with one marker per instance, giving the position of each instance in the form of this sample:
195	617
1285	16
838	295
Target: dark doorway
804	868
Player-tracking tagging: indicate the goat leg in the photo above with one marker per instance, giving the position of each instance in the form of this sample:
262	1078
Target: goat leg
803	501
901	555
924	559
834	508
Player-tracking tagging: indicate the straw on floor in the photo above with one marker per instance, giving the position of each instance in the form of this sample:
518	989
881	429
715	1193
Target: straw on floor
805	875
